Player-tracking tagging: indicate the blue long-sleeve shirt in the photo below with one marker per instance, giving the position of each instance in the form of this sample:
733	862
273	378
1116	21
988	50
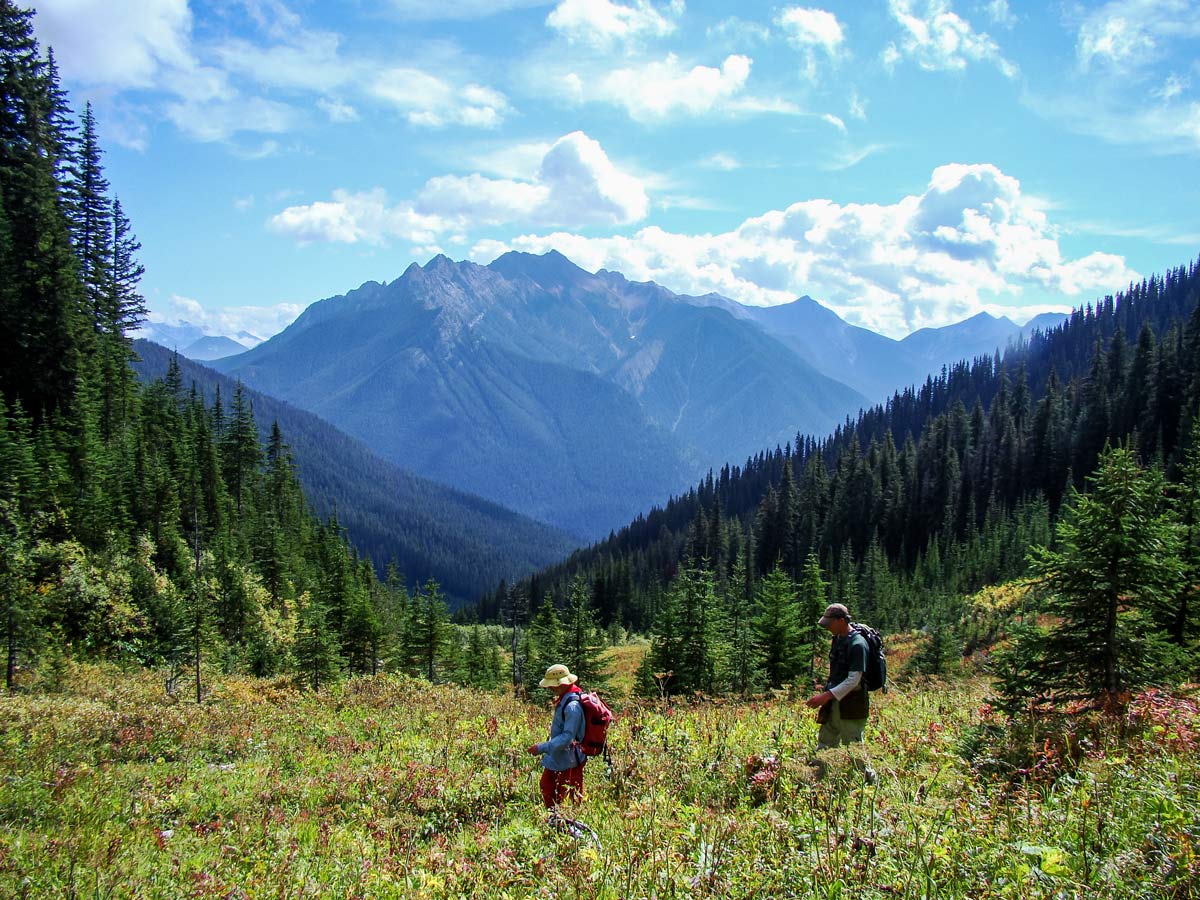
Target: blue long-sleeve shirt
559	753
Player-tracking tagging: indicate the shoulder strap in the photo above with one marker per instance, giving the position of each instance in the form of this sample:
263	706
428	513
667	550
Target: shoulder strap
578	698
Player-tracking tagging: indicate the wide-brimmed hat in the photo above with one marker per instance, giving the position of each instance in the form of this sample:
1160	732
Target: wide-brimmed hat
834	611
558	675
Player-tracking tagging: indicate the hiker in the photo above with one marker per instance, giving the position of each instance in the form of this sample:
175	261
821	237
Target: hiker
844	704
562	759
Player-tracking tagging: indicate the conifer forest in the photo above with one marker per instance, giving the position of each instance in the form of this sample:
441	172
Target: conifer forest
211	691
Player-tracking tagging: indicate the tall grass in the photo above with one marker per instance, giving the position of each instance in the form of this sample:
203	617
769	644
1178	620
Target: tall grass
388	787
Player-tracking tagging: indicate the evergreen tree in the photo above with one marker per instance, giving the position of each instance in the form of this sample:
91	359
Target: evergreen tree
45	341
543	645
428	629
393	607
811	603
92	226
363	633
702	655
513	613
582	646
777	628
481	663
240	450
316	646
1185	620
745	662
18	614
1111	580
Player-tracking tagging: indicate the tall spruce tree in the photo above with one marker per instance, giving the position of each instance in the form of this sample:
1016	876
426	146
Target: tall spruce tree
428	629
582	646
1112	580
543	644
45	342
777	628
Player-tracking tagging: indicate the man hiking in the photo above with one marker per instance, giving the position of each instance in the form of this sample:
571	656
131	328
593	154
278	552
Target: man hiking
562	759
845	703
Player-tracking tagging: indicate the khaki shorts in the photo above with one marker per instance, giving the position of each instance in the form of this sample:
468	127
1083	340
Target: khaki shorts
836	731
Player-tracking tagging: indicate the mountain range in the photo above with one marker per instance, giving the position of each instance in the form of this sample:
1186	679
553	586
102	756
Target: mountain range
430	530
875	365
580	399
195	342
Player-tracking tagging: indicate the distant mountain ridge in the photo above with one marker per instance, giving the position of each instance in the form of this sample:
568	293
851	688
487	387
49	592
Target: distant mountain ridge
212	347
431	530
196	342
582	399
577	398
875	365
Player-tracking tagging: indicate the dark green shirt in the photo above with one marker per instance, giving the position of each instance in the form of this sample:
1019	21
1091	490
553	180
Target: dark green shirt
849	654
846	654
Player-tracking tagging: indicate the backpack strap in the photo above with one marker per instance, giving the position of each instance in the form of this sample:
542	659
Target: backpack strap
577	743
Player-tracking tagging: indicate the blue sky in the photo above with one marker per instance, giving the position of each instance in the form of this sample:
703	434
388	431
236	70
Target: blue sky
905	162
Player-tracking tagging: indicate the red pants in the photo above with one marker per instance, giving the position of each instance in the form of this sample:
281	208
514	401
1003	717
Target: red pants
557	786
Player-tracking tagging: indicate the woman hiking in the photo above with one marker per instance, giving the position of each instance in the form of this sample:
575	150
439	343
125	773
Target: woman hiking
562	760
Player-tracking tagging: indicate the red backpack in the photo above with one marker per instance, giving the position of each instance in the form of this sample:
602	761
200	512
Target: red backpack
596	719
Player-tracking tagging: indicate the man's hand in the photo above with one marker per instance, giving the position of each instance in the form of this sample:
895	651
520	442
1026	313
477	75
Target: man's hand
819	700
534	751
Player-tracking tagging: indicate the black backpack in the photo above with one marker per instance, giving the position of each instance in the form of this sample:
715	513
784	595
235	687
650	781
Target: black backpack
876	674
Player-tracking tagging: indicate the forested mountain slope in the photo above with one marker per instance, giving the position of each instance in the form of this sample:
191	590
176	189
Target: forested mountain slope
428	530
575	398
938	491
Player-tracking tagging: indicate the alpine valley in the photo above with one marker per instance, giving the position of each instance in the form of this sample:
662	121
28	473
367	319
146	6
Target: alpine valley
574	398
428	530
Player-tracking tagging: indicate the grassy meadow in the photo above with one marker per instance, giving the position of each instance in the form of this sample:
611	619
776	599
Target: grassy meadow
390	787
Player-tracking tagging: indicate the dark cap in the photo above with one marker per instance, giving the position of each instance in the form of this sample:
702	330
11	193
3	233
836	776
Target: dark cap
834	611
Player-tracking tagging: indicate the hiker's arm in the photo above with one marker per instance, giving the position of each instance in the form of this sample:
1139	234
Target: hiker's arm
837	692
853	680
572	725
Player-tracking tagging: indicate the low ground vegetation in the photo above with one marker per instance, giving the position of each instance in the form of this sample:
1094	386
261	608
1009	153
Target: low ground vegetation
392	787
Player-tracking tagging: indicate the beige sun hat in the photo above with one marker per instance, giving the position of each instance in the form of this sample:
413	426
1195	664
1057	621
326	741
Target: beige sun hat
558	675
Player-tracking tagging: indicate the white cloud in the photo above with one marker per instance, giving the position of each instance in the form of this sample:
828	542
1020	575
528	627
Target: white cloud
658	90
115	43
806	27
517	161
308	61
263	150
575	183
216	88
1107	112
460	10
337	110
260	321
1131	34
857	105
999	13
481	200
429	101
852	156
940	40
969	241
352	218
724	161
219	120
812	30
1133	86
737	32
586	187
600	23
